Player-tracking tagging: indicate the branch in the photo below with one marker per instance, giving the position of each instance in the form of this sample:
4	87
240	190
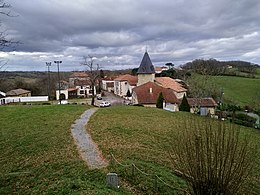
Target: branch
6	6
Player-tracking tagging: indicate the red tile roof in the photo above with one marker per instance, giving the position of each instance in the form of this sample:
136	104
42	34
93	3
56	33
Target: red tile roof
109	78
82	82
149	92
205	102
72	89
79	75
170	83
132	80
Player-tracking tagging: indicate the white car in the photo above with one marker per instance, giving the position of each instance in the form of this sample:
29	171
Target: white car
104	104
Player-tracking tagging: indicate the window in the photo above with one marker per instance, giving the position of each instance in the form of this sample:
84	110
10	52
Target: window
81	91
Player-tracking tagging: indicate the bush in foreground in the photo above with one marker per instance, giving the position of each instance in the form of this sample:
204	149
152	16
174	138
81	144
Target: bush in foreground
212	160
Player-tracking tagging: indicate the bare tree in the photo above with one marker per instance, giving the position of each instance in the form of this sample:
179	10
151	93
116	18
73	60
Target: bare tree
93	73
4	41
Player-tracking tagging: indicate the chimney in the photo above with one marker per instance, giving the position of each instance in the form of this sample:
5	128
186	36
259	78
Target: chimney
151	90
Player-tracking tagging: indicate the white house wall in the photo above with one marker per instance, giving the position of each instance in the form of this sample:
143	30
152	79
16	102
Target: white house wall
180	95
65	92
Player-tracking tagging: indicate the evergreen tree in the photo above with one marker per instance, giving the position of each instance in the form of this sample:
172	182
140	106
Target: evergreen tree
184	105
160	99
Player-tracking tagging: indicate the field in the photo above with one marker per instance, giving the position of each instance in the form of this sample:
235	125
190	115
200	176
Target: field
141	136
38	154
239	90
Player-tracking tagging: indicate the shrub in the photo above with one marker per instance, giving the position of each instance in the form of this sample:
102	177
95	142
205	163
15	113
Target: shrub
243	119
160	99
212	159
184	105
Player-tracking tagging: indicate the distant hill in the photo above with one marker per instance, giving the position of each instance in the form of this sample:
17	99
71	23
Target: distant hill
229	68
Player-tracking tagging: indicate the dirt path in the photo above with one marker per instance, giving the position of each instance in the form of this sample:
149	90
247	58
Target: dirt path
87	148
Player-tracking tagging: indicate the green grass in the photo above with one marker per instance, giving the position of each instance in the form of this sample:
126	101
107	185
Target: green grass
141	136
239	90
39	156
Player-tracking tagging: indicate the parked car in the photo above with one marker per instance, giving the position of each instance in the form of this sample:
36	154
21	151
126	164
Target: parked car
99	97
104	104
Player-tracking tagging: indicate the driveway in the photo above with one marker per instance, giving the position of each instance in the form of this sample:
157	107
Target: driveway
112	98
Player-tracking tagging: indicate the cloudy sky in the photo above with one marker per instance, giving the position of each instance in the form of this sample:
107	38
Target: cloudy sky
118	32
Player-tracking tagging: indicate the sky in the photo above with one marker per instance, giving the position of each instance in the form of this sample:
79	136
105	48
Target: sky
116	33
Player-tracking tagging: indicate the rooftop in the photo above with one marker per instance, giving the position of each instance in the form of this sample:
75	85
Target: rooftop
16	92
79	75
205	102
132	80
149	92
170	83
146	66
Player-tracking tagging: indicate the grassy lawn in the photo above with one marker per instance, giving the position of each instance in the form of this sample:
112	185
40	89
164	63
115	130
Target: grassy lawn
38	154
141	136
238	89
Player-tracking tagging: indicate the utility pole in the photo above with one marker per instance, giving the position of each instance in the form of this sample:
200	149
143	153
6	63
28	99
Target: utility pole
48	64
58	64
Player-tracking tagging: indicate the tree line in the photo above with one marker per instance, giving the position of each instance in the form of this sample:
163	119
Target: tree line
214	67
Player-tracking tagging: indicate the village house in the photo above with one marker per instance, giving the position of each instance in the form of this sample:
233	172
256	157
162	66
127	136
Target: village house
147	95
77	76
18	93
84	88
170	83
78	86
123	83
108	84
204	106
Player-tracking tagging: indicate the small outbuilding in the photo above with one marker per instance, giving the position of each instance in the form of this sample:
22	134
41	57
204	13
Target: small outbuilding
18	93
204	106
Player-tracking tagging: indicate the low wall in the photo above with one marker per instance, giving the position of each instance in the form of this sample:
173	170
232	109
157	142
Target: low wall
8	100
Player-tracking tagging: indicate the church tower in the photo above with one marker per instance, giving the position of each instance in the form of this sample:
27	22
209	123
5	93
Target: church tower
146	70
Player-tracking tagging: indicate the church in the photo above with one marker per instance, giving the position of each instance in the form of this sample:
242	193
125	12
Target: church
149	87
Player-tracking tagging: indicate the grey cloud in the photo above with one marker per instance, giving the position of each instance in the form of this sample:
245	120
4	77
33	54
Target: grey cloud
119	31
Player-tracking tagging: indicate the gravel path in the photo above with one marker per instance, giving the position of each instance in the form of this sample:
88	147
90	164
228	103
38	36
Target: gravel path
87	148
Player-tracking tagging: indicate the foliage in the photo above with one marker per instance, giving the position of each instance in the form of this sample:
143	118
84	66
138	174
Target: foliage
142	136
214	67
168	73
134	71
39	156
201	86
244	119
170	65
159	102
184	105
213	160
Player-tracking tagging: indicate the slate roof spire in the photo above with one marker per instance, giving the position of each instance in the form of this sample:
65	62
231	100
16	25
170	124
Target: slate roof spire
146	66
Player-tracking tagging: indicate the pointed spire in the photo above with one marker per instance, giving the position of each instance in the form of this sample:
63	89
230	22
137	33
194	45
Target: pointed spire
146	66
